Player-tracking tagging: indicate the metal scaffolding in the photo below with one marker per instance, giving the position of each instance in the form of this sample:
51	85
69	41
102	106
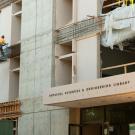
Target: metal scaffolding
10	110
90	27
5	3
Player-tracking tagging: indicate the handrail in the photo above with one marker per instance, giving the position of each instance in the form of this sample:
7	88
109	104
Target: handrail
125	66
5	3
91	26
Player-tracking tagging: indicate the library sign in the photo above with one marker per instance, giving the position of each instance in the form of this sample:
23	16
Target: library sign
103	87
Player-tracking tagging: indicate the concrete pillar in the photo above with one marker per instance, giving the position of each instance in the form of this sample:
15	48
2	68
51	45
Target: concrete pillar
88	49
37	71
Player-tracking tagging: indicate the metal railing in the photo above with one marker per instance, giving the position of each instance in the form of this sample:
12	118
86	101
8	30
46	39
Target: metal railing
124	66
90	27
10	52
5	3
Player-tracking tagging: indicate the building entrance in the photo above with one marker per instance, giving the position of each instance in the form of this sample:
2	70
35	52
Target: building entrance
116	119
107	120
100	129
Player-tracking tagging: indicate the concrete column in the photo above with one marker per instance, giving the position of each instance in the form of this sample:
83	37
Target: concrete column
87	8
36	71
88	49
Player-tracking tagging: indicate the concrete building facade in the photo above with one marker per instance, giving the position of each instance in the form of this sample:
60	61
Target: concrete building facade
31	25
58	75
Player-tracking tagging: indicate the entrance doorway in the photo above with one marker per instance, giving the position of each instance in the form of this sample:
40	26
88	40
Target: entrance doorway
106	120
116	119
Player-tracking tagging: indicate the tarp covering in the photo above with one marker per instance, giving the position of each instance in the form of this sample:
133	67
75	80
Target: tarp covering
119	26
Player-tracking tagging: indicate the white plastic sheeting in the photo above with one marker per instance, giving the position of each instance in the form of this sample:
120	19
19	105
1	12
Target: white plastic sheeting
119	26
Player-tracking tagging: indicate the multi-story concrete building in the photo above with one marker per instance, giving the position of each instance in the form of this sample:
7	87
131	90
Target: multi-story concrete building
74	74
